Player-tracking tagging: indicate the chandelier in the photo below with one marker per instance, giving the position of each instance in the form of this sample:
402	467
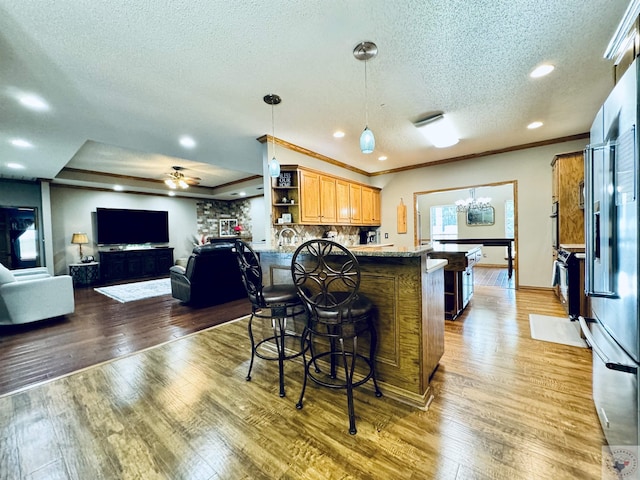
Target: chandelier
473	203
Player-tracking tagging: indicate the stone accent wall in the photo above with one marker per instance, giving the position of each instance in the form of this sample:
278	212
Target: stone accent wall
209	212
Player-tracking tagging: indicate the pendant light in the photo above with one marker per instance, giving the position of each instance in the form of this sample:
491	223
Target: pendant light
364	51
274	167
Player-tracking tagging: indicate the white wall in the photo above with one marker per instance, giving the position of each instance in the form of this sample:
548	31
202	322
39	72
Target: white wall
74	211
530	168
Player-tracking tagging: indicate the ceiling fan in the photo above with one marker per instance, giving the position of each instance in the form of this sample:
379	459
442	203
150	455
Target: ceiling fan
177	179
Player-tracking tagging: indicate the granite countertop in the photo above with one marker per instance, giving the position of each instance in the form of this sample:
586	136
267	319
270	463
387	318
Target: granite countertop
384	250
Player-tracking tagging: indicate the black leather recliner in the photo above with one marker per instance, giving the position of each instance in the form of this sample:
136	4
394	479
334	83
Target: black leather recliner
211	277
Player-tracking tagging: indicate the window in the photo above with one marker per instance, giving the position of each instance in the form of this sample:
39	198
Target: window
28	243
509	223
444	222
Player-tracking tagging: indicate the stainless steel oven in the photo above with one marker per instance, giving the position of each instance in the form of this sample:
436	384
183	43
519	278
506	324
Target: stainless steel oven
570	280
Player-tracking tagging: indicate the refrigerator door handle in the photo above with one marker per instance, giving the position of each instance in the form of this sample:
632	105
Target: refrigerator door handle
620	367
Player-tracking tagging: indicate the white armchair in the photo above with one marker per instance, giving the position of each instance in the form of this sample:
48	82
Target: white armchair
32	294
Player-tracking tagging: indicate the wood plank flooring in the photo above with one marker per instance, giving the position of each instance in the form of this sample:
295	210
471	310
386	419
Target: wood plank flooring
100	329
506	407
493	277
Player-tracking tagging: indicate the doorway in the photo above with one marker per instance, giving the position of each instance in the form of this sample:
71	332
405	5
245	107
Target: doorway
437	217
19	246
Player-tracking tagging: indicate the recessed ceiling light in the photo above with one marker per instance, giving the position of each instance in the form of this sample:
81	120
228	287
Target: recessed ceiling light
542	70
382	158
338	134
243	194
118	188
21	143
534	125
15	166
187	142
34	102
171	193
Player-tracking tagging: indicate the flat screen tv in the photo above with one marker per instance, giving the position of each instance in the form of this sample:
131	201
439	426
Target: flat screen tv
131	227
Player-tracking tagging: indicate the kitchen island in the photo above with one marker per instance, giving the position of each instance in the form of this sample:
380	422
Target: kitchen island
458	275
407	289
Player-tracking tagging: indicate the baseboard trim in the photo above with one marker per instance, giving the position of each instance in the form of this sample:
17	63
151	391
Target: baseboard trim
540	289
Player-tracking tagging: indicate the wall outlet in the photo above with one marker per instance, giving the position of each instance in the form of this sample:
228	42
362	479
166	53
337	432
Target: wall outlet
386	235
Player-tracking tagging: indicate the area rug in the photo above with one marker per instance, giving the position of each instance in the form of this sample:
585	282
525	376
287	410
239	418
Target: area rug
556	330
130	292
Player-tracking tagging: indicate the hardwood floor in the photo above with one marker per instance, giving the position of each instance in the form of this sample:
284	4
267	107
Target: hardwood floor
99	330
493	277
505	407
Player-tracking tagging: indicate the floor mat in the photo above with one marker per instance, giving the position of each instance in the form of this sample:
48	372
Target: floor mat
556	329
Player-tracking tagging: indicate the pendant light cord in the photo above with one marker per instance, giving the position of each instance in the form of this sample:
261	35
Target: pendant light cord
366	98
273	132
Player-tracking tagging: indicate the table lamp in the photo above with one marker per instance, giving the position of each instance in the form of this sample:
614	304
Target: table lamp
79	239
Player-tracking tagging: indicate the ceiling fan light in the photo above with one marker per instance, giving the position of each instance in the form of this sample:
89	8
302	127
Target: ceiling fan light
274	168
367	141
170	183
183	184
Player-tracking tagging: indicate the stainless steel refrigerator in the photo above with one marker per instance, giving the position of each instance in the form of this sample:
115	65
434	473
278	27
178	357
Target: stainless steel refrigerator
611	223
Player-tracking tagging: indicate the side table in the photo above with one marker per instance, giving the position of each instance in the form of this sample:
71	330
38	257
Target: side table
84	273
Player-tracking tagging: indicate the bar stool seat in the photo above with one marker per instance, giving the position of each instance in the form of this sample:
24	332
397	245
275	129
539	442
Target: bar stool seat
276	303
327	276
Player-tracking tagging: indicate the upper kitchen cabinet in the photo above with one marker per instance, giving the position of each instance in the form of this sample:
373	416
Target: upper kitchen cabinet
314	198
343	206
318	204
568	197
370	206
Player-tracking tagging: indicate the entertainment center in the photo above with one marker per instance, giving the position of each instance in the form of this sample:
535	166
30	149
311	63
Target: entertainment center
128	237
128	264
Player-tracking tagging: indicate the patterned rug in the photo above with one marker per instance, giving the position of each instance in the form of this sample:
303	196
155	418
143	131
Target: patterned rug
130	292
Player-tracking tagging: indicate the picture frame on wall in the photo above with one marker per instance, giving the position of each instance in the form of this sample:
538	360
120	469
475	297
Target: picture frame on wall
481	216
226	227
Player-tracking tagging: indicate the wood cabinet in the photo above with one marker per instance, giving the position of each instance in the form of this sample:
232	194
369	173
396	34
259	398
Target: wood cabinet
328	205
320	199
355	203
567	191
309	197
128	264
343	206
370	206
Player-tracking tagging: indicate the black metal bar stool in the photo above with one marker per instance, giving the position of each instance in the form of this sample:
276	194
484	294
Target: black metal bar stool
276	303
327	276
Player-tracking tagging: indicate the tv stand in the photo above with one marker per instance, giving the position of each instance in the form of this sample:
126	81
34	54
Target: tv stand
131	264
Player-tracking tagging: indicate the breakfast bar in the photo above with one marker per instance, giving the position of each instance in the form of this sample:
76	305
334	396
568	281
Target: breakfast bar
407	289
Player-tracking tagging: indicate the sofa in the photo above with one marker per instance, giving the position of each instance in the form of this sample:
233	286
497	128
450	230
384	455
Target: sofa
32	294
211	276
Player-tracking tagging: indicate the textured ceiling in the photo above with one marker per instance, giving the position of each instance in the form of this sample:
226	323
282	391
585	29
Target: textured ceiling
134	76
